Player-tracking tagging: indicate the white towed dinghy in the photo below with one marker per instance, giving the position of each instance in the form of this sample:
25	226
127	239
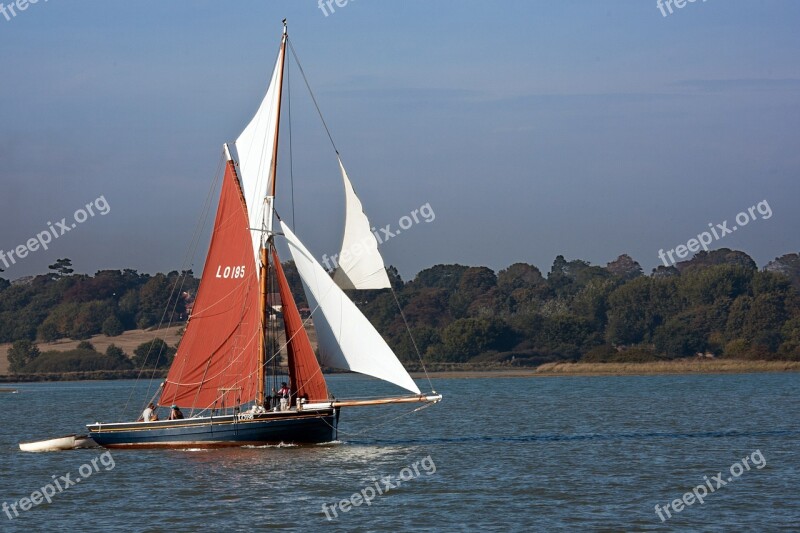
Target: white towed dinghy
68	442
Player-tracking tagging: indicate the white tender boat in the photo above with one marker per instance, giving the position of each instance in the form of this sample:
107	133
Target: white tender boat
67	442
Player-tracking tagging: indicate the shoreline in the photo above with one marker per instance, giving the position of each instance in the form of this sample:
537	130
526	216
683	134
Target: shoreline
557	369
656	368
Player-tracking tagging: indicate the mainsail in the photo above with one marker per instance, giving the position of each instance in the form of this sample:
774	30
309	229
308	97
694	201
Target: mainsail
217	360
346	338
305	375
360	264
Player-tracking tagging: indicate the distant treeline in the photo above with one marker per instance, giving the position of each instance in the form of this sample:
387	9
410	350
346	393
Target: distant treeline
718	303
62	304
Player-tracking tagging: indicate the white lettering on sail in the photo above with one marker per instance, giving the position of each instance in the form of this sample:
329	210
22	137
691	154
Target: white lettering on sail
230	272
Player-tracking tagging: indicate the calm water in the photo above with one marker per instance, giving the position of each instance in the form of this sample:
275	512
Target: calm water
509	455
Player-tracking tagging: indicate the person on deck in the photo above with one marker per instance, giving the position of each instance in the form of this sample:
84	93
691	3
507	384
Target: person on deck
284	394
149	414
176	413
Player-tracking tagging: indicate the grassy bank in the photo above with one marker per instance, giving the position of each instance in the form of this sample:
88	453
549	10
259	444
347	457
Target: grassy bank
81	376
686	366
128	341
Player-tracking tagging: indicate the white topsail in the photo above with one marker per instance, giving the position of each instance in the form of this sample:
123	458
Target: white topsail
346	338
360	263
253	153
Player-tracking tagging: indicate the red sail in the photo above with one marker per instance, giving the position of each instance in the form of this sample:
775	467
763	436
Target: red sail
305	375
217	361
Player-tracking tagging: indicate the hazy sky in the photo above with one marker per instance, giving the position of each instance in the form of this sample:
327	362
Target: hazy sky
582	128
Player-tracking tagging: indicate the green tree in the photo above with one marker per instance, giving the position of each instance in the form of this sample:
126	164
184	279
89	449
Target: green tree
4	283
591	303
630	316
61	268
475	295
519	276
21	353
394	278
48	332
764	321
624	267
428	307
155	354
119	357
112	326
680	336
441	276
89	319
424	337
128	307
158	298
705	286
468	337
568	332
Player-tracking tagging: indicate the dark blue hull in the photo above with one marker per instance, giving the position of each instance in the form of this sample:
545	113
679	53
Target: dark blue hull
289	427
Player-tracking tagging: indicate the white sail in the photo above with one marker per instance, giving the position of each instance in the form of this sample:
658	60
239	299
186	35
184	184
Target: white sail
346	338
253	152
360	263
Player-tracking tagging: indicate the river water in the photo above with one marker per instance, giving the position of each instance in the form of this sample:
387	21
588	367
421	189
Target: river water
501	454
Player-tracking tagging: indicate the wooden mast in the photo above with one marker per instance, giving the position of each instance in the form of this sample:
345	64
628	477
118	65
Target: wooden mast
263	328
274	168
264	270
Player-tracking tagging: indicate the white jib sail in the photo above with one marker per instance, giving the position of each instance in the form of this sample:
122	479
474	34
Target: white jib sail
253	152
346	338
360	263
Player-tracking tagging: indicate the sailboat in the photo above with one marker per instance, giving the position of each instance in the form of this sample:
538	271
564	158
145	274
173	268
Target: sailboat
227	359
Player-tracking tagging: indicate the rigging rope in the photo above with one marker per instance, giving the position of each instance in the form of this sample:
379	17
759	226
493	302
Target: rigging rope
311	93
370	428
411	336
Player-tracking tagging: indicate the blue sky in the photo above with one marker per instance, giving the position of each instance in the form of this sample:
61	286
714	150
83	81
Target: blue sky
533	129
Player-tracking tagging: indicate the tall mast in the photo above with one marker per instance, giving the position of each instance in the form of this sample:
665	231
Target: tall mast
262	338
270	199
274	168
